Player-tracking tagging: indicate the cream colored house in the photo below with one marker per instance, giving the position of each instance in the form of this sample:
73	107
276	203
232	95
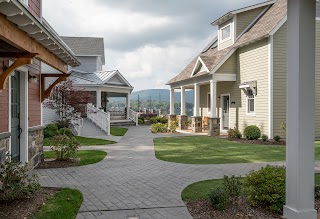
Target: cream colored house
240	77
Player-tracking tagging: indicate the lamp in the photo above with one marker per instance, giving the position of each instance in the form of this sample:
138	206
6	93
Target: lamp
33	78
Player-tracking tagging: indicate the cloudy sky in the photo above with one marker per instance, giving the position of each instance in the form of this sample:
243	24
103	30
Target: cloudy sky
148	41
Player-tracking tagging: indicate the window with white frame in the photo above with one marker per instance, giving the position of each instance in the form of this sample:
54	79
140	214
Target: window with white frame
25	2
251	99
225	32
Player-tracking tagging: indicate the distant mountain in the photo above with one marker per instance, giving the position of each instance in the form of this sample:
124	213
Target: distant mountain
161	95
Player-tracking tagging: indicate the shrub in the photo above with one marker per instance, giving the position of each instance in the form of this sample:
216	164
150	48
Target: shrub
173	125
141	118
277	138
50	130
317	192
234	133
252	132
219	198
16	183
164	120
233	186
66	131
62	124
65	147
140	121
153	120
266	187
264	137
159	128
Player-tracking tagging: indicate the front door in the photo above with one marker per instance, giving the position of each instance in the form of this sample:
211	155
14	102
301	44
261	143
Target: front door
15	116
225	112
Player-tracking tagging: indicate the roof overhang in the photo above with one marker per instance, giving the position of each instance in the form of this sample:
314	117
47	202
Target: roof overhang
40	31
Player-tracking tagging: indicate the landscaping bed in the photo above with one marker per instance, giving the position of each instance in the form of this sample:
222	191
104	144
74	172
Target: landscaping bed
83	141
258	141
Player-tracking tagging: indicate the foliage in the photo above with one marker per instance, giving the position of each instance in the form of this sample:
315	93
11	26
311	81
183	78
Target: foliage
252	132
15	182
219	198
153	120
234	133
50	130
142	118
283	127
140	121
173	125
264	137
64	147
83	141
277	138
62	124
159	128
162	120
266	187
66	131
317	192
233	186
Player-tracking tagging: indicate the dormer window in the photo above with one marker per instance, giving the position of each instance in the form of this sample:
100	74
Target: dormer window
226	32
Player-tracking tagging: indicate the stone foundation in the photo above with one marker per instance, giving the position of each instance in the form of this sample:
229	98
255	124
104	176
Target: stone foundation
183	122
172	118
196	124
35	149
214	127
4	147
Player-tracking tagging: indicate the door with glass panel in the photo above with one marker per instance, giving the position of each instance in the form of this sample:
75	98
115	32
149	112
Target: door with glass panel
15	116
225	112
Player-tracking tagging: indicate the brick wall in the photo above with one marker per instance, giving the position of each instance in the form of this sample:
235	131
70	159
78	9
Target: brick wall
4	103
34	102
35	7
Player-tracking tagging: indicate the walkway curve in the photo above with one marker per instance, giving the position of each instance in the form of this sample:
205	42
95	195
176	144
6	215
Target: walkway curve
132	183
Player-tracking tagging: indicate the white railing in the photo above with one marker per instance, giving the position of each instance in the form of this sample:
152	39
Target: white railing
77	122
99	117
134	116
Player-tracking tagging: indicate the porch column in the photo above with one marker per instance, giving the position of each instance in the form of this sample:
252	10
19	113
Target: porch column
183	118
213	120
196	119
300	110
172	116
128	104
98	98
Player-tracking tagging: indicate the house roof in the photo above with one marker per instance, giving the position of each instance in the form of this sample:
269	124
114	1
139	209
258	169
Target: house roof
86	46
212	57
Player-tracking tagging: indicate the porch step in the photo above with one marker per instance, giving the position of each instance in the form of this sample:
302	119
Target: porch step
115	123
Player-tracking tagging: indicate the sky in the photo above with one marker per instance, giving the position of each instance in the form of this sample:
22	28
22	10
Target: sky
148	41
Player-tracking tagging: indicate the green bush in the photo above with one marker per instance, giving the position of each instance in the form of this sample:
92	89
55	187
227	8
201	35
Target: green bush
140	121
173	125
277	138
264	137
65	147
153	120
16	182
163	120
219	198
234	133
66	131
233	186
252	132
50	130
141	118
266	187
159	128
62	124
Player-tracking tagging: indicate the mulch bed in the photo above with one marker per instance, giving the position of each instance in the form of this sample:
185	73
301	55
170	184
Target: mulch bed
269	142
203	209
52	163
28	207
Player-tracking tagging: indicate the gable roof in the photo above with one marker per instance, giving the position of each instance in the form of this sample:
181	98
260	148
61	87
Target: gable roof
212	57
86	46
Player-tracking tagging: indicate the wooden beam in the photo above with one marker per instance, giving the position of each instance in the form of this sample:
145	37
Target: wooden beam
10	33
17	55
45	93
6	73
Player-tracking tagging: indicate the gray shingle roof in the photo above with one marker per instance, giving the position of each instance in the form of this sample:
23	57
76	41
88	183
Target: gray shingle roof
86	46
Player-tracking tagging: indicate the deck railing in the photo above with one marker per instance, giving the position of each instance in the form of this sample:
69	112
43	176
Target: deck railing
77	122
99	117
134	116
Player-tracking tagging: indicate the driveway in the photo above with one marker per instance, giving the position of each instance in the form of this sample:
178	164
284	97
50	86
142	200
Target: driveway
131	183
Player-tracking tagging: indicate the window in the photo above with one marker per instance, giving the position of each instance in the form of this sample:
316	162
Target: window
25	2
209	103
251	102
226	32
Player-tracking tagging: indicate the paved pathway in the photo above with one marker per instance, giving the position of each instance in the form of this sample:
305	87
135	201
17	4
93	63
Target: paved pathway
132	183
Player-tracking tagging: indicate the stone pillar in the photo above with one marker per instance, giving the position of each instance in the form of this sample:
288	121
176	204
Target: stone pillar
171	101
196	124
183	101
183	122
214	127
172	118
300	110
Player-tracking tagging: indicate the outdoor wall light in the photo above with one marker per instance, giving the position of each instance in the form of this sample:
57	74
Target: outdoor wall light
33	78
219	98
233	102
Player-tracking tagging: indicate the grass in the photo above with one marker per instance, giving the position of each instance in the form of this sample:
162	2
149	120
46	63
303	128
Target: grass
117	131
83	141
207	150
65	204
86	157
201	190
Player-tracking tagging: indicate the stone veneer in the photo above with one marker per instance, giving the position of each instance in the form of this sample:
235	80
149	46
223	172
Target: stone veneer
4	147
183	122
35	149
196	124
214	127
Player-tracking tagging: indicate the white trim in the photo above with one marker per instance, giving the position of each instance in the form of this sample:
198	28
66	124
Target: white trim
199	60
234	28
224	77
224	27
223	61
270	89
9	115
247	105
279	25
221	115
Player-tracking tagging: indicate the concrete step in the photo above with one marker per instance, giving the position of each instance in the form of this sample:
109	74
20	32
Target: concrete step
122	123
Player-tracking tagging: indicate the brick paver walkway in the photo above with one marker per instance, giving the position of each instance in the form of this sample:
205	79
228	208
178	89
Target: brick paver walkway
132	183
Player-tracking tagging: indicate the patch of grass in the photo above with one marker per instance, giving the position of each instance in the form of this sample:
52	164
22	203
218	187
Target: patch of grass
86	157
117	131
207	150
83	141
65	204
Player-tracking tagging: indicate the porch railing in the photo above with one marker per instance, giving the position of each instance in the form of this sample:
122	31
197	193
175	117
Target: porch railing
77	122
134	116
99	117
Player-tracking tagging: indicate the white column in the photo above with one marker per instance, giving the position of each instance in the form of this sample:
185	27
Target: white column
98	98
196	100
128	104
183	101
213	99
171	101
300	110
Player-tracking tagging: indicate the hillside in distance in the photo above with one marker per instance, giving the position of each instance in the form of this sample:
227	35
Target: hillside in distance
161	95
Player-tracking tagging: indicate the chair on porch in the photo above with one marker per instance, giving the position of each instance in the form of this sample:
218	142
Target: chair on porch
205	123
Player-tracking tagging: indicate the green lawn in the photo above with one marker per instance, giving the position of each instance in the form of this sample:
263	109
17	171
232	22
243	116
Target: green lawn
83	141
207	150
65	204
86	157
117	131
201	190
